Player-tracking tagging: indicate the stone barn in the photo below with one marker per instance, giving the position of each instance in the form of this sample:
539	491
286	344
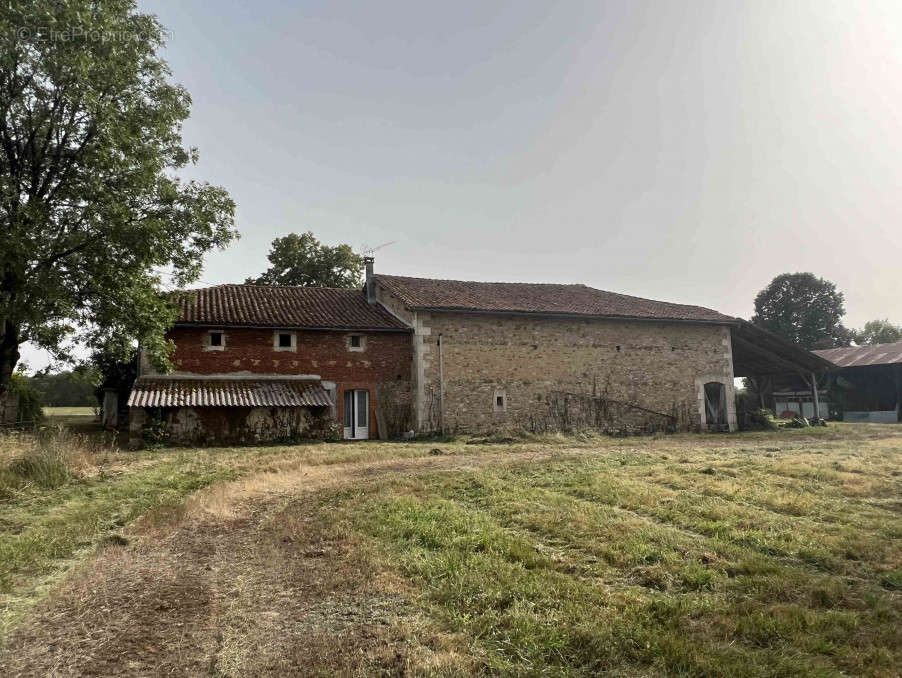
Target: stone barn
544	356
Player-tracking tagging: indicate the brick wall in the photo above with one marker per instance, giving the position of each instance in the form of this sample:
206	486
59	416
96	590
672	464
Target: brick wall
658	366
386	359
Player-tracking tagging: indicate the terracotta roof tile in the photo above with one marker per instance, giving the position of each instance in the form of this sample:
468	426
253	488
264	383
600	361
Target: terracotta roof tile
260	306
458	295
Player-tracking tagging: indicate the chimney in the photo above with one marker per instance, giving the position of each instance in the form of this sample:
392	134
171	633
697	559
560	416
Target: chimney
370	283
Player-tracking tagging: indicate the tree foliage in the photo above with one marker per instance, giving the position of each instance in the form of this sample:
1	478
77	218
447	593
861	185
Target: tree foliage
90	207
879	332
112	371
66	388
303	260
803	308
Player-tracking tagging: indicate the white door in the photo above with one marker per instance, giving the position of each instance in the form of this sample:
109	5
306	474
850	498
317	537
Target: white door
357	415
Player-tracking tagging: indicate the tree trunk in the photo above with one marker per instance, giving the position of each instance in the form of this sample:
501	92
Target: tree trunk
9	357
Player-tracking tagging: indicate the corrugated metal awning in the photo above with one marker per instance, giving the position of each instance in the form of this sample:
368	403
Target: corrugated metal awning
859	356
168	392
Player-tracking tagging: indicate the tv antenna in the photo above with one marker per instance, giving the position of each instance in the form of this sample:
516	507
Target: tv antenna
368	251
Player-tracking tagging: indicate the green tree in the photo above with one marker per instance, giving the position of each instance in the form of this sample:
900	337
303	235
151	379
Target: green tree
879	332
66	388
90	207
803	308
303	260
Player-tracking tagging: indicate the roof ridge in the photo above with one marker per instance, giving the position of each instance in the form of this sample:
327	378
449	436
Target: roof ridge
273	287
481	282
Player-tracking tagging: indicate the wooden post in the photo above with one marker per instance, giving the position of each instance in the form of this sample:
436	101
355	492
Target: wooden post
817	405
899	393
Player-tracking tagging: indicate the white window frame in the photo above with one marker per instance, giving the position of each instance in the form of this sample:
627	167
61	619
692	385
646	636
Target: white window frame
357	349
353	415
294	341
208	341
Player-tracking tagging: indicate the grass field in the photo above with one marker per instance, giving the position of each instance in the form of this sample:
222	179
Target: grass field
762	554
69	411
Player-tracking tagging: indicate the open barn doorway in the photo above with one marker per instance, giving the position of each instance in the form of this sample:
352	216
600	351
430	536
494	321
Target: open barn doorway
716	405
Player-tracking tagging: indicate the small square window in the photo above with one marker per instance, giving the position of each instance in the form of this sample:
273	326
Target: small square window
356	342
215	341
284	341
499	401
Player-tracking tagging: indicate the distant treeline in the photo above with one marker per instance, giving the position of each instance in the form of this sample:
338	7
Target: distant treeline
69	388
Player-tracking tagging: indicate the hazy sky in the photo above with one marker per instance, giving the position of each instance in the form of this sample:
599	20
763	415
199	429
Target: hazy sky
685	151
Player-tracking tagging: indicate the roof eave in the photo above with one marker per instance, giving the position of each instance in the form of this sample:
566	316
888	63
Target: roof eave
586	316
332	328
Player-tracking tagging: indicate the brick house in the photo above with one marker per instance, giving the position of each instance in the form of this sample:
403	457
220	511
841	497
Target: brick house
263	363
256	364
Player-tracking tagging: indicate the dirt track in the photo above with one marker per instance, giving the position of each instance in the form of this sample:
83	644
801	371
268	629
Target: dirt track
239	583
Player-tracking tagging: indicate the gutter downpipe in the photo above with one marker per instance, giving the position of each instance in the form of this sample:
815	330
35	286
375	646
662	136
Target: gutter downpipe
441	388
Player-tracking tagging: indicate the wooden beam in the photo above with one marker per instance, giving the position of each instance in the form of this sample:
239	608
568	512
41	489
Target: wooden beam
772	357
817	404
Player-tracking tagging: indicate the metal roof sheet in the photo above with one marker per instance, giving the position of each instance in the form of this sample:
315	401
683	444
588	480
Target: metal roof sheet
859	356
167	392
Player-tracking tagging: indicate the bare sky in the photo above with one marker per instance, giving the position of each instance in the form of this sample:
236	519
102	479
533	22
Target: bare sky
684	151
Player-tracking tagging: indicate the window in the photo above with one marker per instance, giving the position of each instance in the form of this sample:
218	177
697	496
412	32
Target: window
356	342
215	341
499	401
284	341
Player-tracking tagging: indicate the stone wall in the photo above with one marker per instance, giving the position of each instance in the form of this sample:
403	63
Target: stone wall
9	408
661	367
233	425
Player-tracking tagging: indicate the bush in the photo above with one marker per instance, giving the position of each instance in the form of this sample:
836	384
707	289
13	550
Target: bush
750	415
28	401
154	432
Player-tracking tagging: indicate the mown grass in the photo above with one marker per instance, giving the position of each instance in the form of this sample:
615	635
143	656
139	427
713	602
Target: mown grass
738	561
765	554
70	411
64	494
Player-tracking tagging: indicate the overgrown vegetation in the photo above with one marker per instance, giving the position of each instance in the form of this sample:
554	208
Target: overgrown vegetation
24	400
